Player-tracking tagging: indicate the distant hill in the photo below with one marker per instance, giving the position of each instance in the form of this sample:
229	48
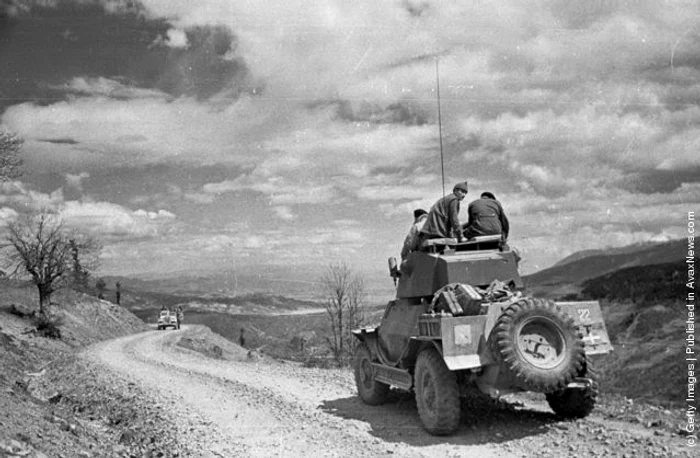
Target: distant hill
568	275
282	282
627	249
274	281
651	283
639	288
139	295
220	284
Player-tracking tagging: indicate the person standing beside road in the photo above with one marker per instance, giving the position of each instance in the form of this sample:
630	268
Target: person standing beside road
486	217
443	219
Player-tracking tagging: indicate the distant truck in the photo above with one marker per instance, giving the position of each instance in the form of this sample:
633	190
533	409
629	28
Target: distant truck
459	321
168	319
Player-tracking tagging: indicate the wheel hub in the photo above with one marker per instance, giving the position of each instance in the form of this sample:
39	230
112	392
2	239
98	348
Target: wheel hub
428	392
540	343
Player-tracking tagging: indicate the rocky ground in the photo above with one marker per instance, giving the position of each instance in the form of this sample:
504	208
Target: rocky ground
148	393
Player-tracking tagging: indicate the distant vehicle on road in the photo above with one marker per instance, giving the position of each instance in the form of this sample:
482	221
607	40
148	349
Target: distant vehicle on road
168	319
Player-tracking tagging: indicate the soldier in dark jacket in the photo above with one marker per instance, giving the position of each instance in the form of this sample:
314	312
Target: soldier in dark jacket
443	219
486	217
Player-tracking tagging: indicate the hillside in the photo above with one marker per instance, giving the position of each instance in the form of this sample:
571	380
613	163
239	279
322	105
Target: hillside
657	282
567	276
54	404
627	249
193	393
644	309
641	292
83	319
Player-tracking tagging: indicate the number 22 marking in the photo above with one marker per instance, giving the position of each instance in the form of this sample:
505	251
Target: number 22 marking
584	314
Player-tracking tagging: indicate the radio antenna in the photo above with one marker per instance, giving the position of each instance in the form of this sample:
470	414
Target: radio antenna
442	160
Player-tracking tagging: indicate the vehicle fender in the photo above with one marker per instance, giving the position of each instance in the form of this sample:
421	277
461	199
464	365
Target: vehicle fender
365	333
420	343
464	343
368	336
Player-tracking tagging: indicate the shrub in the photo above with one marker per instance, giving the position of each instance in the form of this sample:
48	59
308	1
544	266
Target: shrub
327	362
47	326
16	311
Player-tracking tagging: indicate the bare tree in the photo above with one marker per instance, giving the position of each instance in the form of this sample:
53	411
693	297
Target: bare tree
10	162
84	251
356	305
78	273
344	305
42	249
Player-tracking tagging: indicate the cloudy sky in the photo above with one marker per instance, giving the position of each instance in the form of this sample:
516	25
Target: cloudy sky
204	135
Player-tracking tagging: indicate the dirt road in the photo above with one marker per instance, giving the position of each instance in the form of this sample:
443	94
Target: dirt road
262	408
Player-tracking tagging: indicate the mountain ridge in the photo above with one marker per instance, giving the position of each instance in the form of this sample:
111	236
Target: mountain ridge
567	276
631	248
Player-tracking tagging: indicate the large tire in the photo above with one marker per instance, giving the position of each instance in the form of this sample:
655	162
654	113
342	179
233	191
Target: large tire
370	390
437	393
576	402
538	345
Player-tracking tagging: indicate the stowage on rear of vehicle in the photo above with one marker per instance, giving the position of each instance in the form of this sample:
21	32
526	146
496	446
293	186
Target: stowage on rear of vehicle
460	321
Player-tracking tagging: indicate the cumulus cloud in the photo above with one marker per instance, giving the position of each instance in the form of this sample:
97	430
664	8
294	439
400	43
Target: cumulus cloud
174	38
21	195
283	212
76	181
101	86
280	190
7	215
552	153
110	6
199	197
111	220
378	192
613	121
561	109
236	248
100	218
160	214
111	132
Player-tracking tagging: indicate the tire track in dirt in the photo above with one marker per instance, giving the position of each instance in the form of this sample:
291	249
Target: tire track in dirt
273	409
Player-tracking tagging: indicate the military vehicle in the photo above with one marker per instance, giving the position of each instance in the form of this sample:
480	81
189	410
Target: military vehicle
460	320
168	319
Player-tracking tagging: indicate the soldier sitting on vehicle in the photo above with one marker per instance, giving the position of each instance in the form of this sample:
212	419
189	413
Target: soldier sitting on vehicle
443	219
486	217
410	243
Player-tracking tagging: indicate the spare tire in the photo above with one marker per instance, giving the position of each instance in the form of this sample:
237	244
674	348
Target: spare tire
538	345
